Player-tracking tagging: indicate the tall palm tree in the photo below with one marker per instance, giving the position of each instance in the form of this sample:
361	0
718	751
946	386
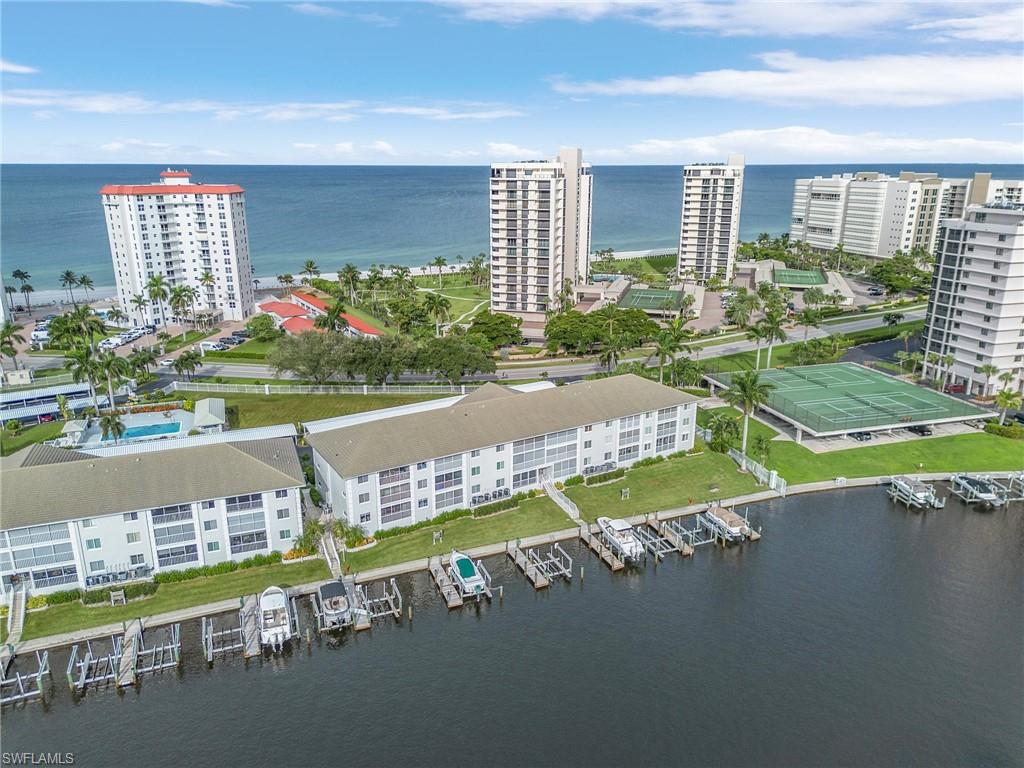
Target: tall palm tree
892	319
139	304
67	413
68	281
23	277
757	335
187	363
440	262
334	319
723	430
989	371
287	281
1005	400
112	366
10	290
180	300
86	284
611	351
207	280
1006	377
112	425
771	326
665	348
348	276
310	268
747	392
905	337
809	318
157	290
947	361
115	316
10	335
438	306
86	324
81	361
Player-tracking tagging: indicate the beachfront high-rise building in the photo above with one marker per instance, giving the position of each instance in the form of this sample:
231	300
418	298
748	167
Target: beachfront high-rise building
540	232
192	234
710	226
875	215
976	307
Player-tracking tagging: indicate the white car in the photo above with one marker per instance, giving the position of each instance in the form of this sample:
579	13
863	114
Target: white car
166	363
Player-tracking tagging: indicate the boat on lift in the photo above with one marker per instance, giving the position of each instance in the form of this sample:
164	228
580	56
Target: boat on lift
335	604
275	618
621	538
972	489
730	525
470	577
914	492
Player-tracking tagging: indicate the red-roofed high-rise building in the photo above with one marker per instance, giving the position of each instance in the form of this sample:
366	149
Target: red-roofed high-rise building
181	230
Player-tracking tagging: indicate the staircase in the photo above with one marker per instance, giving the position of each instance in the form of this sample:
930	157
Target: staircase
564	502
15	624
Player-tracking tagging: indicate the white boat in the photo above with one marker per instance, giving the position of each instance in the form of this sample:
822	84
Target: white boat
470	577
335	604
621	537
976	489
913	492
728	523
275	618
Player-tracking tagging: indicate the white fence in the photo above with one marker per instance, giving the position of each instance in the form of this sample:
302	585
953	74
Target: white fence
764	476
322	389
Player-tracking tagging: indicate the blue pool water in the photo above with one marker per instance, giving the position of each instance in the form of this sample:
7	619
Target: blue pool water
148	430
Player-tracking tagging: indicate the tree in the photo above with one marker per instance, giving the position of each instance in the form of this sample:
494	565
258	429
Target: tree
723	429
809	318
611	352
156	289
312	356
453	358
905	336
892	319
26	291
23	277
762	449
499	329
82	323
68	281
901	358
988	370
86	284
1006	377
437	306
757	335
262	328
771	326
408	313
348	276
179	301
287	281
947	361
10	290
139	303
10	335
747	392
112	425
311	270
66	412
742	308
207	280
187	363
1005	400
116	316
334	319
440	262
81	361
666	346
814	296
111	366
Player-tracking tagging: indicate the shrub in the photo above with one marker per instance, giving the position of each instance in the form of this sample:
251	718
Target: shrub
499	506
1012	431
13	426
444	517
648	462
36	601
63	596
307	471
131	592
228	566
615	474
193	432
316	496
188	405
574	480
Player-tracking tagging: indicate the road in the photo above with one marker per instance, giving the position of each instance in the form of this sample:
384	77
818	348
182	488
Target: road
531	370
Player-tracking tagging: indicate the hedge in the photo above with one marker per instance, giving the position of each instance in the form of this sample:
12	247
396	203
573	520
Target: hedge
131	591
1012	431
615	474
63	596
236	354
228	566
444	517
649	461
574	480
499	506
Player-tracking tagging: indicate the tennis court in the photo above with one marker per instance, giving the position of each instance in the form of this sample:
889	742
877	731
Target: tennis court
842	397
799	278
652	299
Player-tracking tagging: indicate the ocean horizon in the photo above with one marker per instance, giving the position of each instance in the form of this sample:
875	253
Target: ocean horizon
51	219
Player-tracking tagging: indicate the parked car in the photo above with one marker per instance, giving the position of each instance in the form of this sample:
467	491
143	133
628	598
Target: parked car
149	328
861	437
241	333
920	429
46	417
955	389
876	291
1019	417
230	341
166	363
211	346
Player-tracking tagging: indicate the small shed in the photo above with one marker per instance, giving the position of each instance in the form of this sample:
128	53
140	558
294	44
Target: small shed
210	415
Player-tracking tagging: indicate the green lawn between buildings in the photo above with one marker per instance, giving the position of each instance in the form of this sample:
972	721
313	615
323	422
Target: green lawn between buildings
11	443
171	597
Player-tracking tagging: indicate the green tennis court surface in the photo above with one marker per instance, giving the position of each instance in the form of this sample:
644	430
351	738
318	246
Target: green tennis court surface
800	277
840	397
651	299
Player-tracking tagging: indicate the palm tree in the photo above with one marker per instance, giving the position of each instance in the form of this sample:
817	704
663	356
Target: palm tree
81	361
989	371
757	335
1006	377
10	334
310	268
666	345
112	366
207	280
438	306
723	431
901	358
86	284
187	363
179	301
947	361
611	352
762	449
440	262
66	412
23	277
809	318
892	319
86	324
10	290
1005	400
348	276
156	289
905	337
287	281
112	425
771	326
916	358
68	281
747	392
139	303
115	316
839	251
334	319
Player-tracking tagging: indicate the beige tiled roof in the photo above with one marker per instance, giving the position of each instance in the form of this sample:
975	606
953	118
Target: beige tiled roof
90	486
487	420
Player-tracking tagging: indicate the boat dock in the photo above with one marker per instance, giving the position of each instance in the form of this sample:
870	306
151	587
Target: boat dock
533	574
129	648
602	550
914	493
673	532
443	583
388	604
654	542
93	666
22	686
249	617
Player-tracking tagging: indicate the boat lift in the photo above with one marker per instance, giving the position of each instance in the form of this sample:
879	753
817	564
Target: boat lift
370	609
1011	489
654	543
918	495
970	489
554	564
23	686
93	666
485	591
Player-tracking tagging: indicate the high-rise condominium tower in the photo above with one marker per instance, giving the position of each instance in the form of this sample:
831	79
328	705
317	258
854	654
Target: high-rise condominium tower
710	229
540	232
191	234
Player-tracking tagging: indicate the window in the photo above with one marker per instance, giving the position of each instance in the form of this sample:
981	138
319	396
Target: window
586	444
247	542
213	546
499	466
421	484
177	555
448	499
395	511
130	516
421	465
364	517
608	456
134	537
209	525
92	544
248	501
588	428
138	560
363	479
96	565
174	534
88	523
499	448
285	533
474	471
422	503
284	514
207	504
474	454
500	483
281	494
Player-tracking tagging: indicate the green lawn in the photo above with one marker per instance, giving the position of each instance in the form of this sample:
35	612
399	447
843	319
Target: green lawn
755	429
669	484
10	443
250	350
191	337
171	597
263	410
532	517
463	298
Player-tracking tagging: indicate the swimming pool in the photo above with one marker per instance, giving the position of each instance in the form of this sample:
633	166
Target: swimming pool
148	430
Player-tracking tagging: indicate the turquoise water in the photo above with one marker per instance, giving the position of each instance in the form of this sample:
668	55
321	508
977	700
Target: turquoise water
370	214
148	430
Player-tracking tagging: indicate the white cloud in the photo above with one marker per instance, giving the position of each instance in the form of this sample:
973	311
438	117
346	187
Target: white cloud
911	80
804	144
382	147
122	144
140	149
1000	26
216	3
510	151
314	9
10	68
329	11
443	113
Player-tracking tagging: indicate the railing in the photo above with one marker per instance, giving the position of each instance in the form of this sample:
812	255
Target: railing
323	389
764	476
561	500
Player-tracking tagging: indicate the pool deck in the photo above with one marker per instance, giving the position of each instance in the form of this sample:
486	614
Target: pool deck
93	438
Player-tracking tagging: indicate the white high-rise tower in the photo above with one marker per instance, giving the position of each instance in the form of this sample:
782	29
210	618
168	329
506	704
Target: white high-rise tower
710	227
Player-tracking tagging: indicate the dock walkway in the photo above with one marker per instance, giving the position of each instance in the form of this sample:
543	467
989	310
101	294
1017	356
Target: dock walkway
444	584
250	615
530	570
129	652
601	549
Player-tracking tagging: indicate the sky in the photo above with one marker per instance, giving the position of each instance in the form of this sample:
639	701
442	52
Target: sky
466	83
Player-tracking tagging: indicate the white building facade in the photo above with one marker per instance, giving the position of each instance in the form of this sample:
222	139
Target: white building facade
976	306
183	231
497	461
710	226
540	215
875	215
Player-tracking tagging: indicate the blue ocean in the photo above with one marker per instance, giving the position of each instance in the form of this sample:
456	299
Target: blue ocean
52	220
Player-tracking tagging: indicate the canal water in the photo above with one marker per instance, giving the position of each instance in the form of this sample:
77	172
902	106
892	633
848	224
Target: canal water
852	634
